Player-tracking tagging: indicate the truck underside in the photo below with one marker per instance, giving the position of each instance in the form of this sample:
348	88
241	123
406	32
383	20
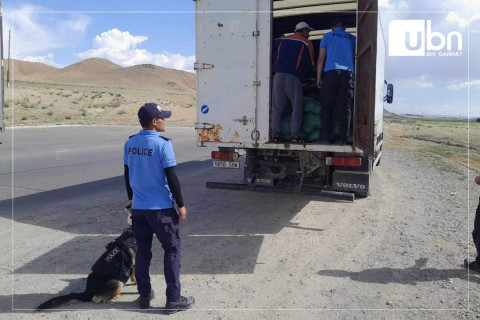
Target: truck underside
322	174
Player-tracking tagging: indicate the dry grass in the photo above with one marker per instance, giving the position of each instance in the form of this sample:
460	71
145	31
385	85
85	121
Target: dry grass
447	144
36	103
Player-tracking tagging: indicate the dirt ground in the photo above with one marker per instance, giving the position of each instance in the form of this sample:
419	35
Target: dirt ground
395	255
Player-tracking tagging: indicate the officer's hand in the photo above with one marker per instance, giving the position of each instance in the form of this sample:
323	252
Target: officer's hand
129	204
477	179
182	212
319	82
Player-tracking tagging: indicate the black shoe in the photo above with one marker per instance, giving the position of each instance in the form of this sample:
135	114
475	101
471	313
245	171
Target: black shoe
473	266
183	303
145	301
340	142
349	140
276	140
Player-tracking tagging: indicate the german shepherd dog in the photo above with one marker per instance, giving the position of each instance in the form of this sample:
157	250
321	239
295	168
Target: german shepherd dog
109	274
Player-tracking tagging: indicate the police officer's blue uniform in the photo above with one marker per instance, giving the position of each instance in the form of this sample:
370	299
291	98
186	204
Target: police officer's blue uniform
337	88
147	154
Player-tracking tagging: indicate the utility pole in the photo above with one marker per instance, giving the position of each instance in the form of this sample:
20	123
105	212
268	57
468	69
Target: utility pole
2	80
9	60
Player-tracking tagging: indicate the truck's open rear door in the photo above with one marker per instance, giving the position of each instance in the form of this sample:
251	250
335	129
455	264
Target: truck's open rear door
364	117
226	80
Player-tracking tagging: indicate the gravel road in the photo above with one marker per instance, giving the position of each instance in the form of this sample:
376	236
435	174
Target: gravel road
397	254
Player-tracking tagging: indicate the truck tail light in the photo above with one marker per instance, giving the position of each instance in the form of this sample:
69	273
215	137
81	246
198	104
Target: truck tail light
225	155
344	162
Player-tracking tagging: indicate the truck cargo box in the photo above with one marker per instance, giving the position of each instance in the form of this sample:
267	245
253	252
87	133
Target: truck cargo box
234	75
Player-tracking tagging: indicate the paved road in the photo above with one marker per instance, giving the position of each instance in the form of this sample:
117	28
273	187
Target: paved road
46	159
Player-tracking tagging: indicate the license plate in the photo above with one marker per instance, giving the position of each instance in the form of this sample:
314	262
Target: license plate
226	164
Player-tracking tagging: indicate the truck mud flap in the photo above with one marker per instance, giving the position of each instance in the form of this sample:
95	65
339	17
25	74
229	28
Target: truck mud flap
358	182
345	196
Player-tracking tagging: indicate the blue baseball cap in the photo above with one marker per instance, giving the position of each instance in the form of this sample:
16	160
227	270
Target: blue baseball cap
150	111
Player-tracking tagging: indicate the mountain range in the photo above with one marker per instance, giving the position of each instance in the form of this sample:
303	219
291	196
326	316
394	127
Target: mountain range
104	73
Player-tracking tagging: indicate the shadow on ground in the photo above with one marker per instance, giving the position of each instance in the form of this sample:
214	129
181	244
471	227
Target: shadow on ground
223	234
409	276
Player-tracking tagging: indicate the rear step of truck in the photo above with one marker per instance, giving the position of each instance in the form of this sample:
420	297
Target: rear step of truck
337	195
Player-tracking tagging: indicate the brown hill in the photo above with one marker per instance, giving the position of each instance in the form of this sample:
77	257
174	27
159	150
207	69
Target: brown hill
91	65
104	73
154	76
33	71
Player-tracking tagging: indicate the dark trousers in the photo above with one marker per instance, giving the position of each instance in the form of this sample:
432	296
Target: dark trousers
164	223
476	232
337	102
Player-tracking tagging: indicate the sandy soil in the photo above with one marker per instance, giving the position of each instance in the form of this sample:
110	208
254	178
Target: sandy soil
395	255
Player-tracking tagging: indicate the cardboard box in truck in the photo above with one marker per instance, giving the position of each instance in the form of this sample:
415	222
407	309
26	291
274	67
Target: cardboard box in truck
234	79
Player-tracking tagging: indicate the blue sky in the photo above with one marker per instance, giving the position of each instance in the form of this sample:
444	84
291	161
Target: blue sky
60	33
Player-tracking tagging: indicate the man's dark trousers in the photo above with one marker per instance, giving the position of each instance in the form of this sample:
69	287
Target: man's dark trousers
337	102
476	232
164	223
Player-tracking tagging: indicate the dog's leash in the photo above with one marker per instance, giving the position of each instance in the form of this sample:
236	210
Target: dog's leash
128	210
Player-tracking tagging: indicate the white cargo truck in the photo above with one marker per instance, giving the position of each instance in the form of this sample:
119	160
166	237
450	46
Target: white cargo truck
234	75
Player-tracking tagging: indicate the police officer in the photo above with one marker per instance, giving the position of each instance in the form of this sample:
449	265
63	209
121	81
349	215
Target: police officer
475	264
337	55
153	188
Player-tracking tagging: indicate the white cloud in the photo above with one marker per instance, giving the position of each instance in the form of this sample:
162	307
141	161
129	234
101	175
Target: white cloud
36	33
454	17
460	5
48	59
465	11
417	82
117	40
121	48
464	85
463	19
393	5
422	84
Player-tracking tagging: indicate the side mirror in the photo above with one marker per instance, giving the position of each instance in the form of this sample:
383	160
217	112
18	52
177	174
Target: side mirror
389	97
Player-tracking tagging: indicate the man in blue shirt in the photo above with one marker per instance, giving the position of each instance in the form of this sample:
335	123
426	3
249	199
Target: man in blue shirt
338	49
153	188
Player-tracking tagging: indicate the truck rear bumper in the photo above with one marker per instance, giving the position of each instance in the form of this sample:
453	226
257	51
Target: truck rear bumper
286	146
344	196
